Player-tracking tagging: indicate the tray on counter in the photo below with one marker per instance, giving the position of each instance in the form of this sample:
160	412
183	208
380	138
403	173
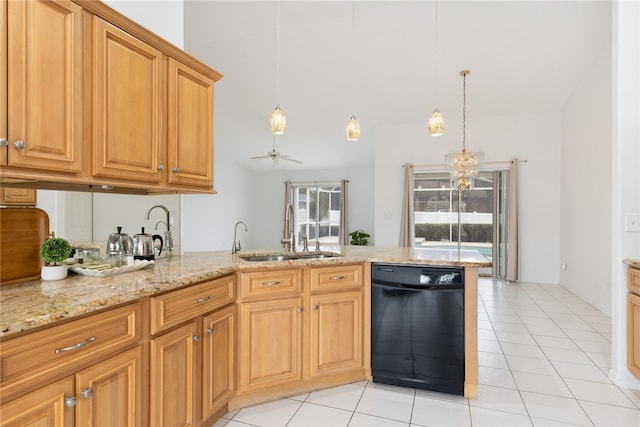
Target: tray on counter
137	265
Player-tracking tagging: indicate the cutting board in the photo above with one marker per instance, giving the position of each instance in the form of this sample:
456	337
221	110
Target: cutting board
22	231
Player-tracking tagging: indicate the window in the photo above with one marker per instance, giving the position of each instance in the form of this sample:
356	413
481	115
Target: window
317	213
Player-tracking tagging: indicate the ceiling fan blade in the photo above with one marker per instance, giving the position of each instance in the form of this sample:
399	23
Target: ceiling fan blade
259	157
289	159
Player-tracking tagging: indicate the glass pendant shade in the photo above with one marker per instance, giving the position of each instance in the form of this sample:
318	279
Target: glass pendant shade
353	129
436	123
278	121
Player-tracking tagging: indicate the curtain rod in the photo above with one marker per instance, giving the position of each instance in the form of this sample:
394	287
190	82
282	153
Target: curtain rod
442	165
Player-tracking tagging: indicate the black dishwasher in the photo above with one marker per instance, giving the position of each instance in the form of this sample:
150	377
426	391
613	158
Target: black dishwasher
417	326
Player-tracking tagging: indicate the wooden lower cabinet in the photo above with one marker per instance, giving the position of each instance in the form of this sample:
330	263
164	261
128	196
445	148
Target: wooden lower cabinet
43	407
270	343
108	393
633	332
336	332
218	360
173	377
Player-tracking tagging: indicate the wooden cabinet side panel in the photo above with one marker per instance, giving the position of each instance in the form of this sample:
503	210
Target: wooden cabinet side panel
127	101
633	282
218	376
173	377
3	80
44	73
190	126
336	332
116	385
633	334
43	407
270	343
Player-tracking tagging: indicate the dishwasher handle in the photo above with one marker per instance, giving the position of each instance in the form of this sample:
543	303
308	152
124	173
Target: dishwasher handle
433	287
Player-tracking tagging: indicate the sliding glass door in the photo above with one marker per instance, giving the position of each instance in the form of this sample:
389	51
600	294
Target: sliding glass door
481	212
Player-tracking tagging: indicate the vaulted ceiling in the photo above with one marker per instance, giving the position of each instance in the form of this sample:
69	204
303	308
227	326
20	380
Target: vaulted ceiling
384	64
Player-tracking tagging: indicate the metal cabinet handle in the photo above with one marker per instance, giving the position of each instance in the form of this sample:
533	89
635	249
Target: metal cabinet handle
299	309
175	169
336	278
210	331
87	393
4	142
315	307
273	283
199	300
160	167
19	144
196	338
70	402
75	346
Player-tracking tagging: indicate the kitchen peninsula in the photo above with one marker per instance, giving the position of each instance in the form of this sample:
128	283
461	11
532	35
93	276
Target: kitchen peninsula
211	316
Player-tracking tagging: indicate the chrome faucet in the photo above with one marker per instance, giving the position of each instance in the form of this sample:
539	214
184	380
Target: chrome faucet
168	239
289	236
236	243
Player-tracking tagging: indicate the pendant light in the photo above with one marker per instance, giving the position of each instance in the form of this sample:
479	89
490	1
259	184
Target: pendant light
436	121
278	119
353	126
464	165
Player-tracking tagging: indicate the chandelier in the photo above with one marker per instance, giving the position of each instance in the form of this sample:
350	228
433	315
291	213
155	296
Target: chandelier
464	165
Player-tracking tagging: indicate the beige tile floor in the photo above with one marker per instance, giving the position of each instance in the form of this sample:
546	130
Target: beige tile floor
544	355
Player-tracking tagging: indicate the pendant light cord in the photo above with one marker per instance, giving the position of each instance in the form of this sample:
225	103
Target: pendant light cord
464	109
278	53
353	51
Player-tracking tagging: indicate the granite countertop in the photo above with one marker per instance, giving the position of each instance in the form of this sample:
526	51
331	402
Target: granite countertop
634	263
28	305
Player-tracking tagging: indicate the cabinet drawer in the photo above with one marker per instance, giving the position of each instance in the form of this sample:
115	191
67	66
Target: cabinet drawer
634	280
276	283
69	345
336	277
179	306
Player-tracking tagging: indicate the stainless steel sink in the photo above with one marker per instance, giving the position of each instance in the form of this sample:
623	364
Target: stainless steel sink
288	256
268	257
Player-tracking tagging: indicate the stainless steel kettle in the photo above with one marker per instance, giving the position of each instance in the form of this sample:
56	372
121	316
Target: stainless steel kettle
144	246
119	244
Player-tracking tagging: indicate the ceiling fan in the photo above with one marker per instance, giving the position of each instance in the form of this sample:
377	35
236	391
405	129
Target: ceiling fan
276	156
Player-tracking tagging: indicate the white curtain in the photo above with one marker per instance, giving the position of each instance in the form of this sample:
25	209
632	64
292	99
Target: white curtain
343	238
513	243
407	222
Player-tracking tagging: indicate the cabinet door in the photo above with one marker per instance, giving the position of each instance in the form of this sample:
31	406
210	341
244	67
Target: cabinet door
173	377
336	332
17	196
4	135
43	407
633	333
109	393
44	72
126	98
270	343
218	355
190	126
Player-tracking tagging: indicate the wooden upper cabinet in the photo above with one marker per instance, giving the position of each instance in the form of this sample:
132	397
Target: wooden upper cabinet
126	103
44	89
190	126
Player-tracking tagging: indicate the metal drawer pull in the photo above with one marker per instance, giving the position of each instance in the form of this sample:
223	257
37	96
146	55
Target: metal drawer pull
19	145
274	283
199	300
75	346
336	278
87	393
70	402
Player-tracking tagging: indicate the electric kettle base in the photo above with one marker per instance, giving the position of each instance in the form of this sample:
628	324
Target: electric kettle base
144	257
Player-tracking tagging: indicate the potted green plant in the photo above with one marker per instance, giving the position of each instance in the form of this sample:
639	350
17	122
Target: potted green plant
54	251
359	238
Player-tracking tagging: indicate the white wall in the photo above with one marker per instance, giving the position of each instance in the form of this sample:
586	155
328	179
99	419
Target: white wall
163	17
585	214
535	138
208	220
625	174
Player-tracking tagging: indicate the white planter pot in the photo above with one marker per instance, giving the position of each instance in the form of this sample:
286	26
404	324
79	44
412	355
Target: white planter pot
54	272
